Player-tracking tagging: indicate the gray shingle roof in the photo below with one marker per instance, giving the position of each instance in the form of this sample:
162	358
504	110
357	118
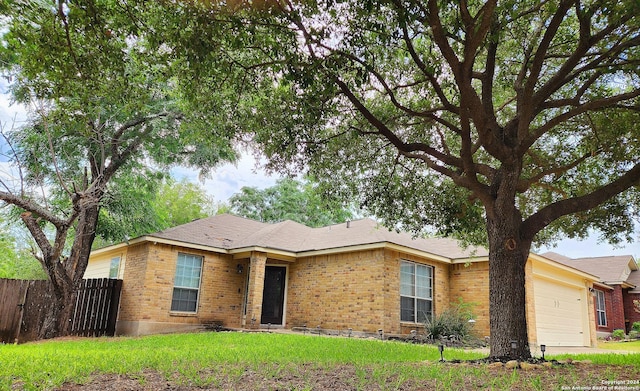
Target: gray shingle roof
610	270
231	232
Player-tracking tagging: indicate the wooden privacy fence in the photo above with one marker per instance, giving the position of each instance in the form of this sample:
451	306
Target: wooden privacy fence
24	304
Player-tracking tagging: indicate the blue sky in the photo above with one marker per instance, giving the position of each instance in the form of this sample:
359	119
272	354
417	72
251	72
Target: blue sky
230	178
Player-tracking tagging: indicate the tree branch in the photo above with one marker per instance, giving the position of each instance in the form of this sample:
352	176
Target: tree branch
545	216
32	207
581	109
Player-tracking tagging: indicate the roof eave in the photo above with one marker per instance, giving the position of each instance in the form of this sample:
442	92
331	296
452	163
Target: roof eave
562	266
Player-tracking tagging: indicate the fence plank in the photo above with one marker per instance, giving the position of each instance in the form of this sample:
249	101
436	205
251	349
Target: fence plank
12	298
96	307
95	312
37	302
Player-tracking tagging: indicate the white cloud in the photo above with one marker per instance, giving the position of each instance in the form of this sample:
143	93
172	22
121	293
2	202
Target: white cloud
590	247
230	178
10	112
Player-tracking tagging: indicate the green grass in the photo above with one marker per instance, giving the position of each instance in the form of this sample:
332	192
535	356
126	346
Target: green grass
208	359
633	346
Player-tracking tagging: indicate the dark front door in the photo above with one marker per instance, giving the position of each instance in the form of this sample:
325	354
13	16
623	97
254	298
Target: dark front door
273	295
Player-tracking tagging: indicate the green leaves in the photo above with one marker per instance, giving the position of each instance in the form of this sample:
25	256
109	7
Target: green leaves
289	199
427	97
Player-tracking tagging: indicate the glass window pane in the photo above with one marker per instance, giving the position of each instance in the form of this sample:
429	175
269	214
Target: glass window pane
407	309
186	283
423	281
602	318
114	267
184	300
423	310
407	279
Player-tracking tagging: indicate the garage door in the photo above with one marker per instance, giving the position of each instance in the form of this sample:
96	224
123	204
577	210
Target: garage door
559	314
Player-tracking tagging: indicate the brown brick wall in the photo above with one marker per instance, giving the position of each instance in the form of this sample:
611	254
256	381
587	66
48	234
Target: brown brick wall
616	318
631	313
358	290
133	283
470	283
256	288
337	291
148	288
530	305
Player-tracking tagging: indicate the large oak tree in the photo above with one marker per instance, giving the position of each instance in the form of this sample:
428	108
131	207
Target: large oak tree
508	122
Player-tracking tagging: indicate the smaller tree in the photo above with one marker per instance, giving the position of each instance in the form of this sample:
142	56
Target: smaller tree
180	202
150	204
289	199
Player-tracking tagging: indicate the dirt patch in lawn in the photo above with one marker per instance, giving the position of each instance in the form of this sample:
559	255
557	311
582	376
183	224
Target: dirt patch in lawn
426	376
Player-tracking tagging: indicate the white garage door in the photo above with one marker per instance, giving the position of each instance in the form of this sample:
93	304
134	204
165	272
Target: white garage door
560	314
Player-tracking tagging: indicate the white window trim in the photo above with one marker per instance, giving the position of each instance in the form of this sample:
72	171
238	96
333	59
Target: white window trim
603	310
415	313
119	258
172	311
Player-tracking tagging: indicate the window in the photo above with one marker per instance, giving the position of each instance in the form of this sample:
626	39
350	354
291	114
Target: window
601	309
187	283
416	292
114	267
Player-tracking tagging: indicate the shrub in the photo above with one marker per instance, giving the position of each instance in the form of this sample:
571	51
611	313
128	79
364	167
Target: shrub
633	334
618	334
636	326
452	322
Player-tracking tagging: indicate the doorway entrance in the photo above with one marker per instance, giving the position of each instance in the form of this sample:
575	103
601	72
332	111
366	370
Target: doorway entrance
273	295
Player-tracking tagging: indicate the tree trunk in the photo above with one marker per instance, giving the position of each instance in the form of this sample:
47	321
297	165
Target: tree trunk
65	275
57	319
508	255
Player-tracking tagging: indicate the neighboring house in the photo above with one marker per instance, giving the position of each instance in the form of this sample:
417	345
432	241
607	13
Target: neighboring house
357	275
617	292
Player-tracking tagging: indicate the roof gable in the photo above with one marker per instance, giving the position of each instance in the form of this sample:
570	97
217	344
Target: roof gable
612	270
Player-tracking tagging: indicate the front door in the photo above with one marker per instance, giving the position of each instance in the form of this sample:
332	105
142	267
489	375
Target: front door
273	295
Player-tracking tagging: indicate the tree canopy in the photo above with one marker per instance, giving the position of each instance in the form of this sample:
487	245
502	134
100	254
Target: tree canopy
134	209
105	119
289	199
506	122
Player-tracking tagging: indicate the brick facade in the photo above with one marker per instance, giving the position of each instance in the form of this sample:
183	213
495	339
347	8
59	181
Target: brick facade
470	283
358	290
148	288
620	310
608	303
632	309
616	317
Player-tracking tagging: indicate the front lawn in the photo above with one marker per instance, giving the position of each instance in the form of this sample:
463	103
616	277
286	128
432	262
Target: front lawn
632	346
262	361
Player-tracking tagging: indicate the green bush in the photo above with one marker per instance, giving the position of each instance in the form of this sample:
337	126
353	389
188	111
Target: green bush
618	334
452	322
636	326
633	334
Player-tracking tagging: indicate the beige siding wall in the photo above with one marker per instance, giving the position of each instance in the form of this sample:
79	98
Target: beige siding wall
148	290
99	265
